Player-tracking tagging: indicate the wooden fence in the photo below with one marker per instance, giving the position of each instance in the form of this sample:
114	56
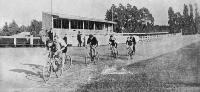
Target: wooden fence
72	40
9	41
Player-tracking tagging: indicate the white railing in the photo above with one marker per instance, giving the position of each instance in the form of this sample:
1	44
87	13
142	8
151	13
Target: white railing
102	39
122	37
17	41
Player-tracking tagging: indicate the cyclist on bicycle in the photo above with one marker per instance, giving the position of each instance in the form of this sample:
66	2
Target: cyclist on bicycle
131	44
112	42
93	43
61	46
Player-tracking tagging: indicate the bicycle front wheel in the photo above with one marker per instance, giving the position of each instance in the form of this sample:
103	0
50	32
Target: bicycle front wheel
46	72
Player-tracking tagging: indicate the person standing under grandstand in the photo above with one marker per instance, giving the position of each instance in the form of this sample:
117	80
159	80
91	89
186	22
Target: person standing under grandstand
65	38
79	39
134	43
93	43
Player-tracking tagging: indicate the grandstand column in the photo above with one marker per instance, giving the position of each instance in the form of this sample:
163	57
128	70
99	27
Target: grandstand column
94	26
61	24
112	28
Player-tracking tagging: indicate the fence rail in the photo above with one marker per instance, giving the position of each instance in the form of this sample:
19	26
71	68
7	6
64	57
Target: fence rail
10	41
72	40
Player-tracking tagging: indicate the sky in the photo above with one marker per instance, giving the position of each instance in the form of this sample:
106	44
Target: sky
23	11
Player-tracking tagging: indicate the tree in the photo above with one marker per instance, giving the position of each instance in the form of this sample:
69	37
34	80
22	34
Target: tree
23	28
130	19
5	27
197	19
5	30
186	20
171	21
13	28
35	27
191	20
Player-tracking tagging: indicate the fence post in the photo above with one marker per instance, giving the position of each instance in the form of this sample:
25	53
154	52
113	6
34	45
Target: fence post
31	40
15	41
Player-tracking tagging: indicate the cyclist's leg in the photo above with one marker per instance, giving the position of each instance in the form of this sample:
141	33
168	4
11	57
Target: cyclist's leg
64	52
91	53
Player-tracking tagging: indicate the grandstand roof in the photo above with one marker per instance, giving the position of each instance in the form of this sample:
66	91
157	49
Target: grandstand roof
79	17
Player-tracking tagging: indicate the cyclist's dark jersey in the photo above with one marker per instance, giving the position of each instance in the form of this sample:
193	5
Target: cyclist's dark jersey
133	40
53	47
129	42
92	41
50	35
112	42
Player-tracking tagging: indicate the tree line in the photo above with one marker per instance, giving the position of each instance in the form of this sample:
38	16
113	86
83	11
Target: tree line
130	19
188	22
12	28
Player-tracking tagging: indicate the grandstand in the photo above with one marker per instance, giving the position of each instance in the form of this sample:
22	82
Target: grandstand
67	24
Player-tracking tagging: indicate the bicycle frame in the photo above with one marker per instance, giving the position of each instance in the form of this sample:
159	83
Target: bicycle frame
114	51
130	51
93	54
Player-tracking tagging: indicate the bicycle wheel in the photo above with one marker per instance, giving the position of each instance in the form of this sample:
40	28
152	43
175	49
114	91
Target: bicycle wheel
130	53
46	71
96	57
67	63
59	67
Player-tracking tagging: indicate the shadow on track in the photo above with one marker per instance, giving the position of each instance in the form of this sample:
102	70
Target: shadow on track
34	74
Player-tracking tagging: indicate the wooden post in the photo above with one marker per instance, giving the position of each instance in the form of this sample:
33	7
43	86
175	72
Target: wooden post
15	43
83	25
69	24
94	26
31	40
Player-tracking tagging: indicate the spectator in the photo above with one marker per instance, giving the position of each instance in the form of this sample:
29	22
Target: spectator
65	38
134	43
79	39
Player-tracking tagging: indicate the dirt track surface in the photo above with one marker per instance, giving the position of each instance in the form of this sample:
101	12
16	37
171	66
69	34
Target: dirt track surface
21	67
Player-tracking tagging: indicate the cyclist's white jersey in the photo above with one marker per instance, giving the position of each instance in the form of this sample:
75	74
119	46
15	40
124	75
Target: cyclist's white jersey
62	42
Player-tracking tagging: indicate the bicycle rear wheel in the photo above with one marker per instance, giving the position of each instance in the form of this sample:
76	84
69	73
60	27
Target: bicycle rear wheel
68	62
46	71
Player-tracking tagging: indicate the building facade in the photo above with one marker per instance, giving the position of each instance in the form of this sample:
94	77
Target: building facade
66	24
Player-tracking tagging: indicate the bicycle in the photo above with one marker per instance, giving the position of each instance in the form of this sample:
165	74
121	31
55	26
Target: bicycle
93	55
114	51
55	64
131	52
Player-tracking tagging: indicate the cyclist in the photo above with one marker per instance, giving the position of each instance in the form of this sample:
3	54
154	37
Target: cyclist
129	44
113	43
49	40
61	46
93	43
